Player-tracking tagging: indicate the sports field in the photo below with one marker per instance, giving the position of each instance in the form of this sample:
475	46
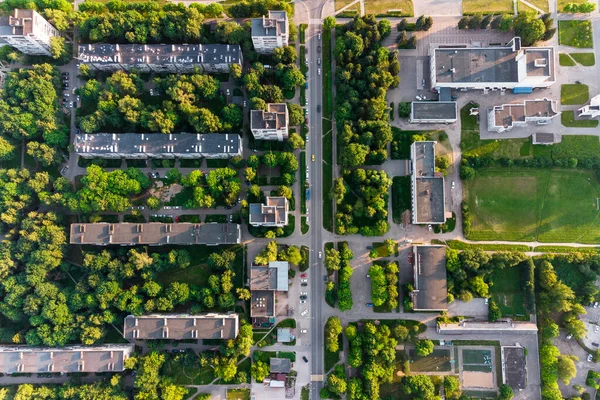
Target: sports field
438	361
534	204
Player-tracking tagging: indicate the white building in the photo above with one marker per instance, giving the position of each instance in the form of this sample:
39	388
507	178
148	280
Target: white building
271	124
591	110
506	116
273	214
270	32
28	32
27	359
210	58
521	69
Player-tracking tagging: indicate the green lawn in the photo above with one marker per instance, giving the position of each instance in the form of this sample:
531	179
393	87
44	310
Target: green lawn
487	6
304	225
575	33
327	139
541	4
534	204
339	4
332	358
401	197
506	291
567	118
566	60
395	7
585	59
563	3
574	94
238	394
438	361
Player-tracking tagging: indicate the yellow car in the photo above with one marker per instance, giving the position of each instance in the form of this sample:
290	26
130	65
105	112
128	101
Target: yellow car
313	157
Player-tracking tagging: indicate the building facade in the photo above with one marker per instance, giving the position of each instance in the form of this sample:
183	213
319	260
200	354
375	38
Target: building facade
507	116
271	124
492	68
28	32
209	58
158	145
271	32
591	110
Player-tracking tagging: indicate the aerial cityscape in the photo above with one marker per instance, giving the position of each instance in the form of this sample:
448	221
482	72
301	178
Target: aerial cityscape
308	199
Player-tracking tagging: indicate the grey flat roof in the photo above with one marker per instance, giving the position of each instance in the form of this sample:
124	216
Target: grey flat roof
157	143
431	290
491	64
274	212
26	359
431	110
428	188
543	138
280	365
272	25
514	366
273	118
488	327
132	54
154	233
262	303
271	277
179	327
539	61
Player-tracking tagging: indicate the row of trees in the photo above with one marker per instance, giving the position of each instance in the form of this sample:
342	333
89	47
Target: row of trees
527	25
339	260
117	105
99	390
29	103
384	285
364	73
367	211
274	252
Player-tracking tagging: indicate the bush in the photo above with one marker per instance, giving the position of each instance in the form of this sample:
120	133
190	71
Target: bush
494	311
463	23
402	25
475	21
404	109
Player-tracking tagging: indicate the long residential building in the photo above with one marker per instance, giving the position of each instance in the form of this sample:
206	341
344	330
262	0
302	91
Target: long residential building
27	359
158	145
27	31
492	68
180	327
271	124
271	32
154	234
209	58
427	186
507	116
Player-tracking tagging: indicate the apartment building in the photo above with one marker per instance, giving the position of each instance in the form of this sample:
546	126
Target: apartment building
27	31
270	32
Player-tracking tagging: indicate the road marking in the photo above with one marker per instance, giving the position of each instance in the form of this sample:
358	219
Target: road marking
316	378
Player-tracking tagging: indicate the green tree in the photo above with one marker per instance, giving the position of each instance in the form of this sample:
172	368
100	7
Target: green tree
529	27
567	368
42	153
506	392
296	114
259	371
333	329
243	294
418	387
294	142
332	260
494	311
7	150
57	47
329	23
424	347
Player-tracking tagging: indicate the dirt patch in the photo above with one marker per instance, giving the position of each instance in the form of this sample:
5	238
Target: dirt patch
479	380
165	193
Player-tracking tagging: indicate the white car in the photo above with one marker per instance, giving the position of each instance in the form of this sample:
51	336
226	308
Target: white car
596	328
429	227
303	280
320	255
302	301
590	357
305	312
487	301
71	104
303	331
319	36
303	293
228	92
319	71
453	185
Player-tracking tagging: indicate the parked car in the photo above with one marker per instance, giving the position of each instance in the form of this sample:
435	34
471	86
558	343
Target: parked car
429	227
319	61
453	185
313	157
303	331
304	293
305	359
319	36
304	281
569	337
303	297
590	357
369	304
304	284
487	301
324	278
318	108
319	71
303	313
318	49
320	255
304	275
302	301
595	344
596	328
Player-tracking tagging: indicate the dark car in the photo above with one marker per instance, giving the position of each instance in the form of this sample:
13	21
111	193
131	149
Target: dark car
304	284
303	297
318	49
318	108
595	344
305	359
369	304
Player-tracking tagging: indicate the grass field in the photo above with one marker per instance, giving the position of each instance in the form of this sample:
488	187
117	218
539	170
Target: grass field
339	4
378	7
541	4
401	200
565	60
327	140
585	59
575	33
506	291
487	6
438	361
238	394
534	204
567	118
522	7
574	94
562	3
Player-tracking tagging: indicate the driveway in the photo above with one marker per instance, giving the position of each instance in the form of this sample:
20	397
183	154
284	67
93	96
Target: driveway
438	7
573	348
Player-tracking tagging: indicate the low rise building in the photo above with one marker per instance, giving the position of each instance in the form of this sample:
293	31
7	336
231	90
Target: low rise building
68	359
271	124
498	327
591	110
280	365
272	214
431	289
28	32
492	68
433	112
181	327
265	283
545	138
270	32
507	116
427	186
158	145
154	234
209	58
